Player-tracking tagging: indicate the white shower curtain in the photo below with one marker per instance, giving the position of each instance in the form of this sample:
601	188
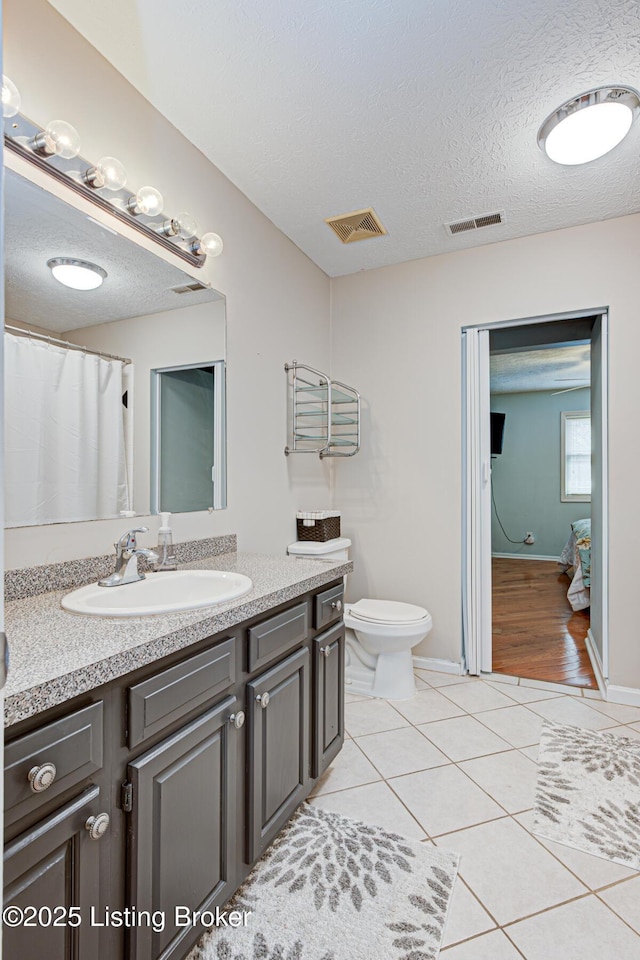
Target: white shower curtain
64	434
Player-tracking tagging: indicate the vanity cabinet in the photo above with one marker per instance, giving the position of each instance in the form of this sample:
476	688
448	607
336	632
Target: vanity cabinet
49	869
328	698
183	824
278	766
57	829
198	760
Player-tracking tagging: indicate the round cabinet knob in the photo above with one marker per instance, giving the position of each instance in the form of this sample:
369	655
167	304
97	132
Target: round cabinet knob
42	777
237	719
263	700
326	651
98	825
337	605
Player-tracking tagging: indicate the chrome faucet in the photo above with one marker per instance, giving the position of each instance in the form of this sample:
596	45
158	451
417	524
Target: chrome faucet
127	554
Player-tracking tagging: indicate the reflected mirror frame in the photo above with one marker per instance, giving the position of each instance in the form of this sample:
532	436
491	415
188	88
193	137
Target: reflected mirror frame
219	474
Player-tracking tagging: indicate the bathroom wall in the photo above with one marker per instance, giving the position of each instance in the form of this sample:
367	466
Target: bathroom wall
526	475
396	336
277	301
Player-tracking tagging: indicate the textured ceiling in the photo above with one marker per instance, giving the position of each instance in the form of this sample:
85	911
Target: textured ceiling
426	110
549	368
39	226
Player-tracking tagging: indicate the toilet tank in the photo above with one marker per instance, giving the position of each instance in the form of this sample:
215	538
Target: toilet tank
336	549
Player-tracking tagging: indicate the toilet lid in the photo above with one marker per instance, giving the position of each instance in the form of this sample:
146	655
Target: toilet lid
387	611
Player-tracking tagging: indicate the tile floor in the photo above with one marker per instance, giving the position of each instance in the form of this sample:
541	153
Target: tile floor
456	767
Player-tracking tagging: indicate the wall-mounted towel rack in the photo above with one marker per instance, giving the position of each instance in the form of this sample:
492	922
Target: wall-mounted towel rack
324	414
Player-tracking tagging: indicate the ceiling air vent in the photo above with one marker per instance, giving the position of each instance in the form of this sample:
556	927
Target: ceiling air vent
358	225
190	287
475	223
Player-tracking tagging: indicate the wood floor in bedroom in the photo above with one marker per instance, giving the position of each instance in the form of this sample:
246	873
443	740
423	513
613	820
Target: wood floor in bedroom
536	634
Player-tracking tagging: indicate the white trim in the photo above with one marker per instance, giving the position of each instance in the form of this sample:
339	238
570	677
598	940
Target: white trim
596	663
603	481
219	467
628	695
439	666
476	637
476	533
525	556
530	321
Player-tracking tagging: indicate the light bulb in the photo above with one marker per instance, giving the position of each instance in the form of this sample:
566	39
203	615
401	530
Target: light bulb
10	97
183	226
77	274
58	138
147	200
187	226
108	173
210	244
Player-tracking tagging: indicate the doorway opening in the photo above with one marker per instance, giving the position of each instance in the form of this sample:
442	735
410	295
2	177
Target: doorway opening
535	599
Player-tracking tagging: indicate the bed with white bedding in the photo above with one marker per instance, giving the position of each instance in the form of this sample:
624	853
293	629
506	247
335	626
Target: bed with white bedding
575	561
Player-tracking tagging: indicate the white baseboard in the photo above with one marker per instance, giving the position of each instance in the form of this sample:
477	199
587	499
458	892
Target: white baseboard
440	666
596	663
525	556
628	695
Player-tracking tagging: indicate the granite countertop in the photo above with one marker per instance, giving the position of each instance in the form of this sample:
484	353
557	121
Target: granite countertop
57	655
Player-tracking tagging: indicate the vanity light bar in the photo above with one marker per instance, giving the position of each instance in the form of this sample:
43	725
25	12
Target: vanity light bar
20	135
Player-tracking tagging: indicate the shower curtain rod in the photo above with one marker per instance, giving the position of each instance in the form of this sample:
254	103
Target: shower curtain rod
33	335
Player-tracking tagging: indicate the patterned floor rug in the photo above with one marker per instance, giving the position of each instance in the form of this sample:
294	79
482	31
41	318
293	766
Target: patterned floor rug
588	792
331	888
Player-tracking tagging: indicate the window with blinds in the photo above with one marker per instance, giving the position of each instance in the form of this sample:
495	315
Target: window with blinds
575	456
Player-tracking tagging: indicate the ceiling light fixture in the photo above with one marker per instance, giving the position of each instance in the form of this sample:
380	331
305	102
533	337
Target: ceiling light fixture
77	274
589	126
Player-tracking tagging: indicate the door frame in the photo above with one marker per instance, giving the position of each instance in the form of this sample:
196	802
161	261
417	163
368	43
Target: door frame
476	492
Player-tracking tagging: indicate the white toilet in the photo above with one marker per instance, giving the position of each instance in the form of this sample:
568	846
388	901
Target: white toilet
380	634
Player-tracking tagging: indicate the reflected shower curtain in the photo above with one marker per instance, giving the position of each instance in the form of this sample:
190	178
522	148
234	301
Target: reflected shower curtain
64	434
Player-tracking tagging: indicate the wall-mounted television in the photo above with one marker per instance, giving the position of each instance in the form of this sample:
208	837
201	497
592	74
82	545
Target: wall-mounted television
497	432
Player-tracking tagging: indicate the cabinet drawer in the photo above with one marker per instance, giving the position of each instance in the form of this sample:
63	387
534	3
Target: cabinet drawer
327	606
277	635
173	693
72	744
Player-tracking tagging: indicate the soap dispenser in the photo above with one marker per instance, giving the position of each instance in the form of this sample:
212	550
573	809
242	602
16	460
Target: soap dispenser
167	557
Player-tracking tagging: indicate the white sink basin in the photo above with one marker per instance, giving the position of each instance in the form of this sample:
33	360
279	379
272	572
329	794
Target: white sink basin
159	593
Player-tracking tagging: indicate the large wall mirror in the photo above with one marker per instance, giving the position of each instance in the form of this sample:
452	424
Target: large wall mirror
82	406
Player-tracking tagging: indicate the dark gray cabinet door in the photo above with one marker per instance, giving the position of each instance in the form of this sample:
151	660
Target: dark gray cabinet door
278	706
182	826
55	864
328	698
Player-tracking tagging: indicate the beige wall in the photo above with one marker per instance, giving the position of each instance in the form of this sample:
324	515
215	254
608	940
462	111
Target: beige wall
277	300
396	336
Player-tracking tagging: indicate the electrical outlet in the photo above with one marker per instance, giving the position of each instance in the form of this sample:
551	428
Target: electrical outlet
529	538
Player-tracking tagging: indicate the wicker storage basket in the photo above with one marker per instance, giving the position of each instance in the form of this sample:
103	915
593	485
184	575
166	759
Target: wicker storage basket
327	529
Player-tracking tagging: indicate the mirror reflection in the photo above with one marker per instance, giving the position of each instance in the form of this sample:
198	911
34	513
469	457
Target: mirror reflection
79	366
187	452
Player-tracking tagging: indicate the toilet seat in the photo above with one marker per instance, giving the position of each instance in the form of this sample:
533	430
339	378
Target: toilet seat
391	612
